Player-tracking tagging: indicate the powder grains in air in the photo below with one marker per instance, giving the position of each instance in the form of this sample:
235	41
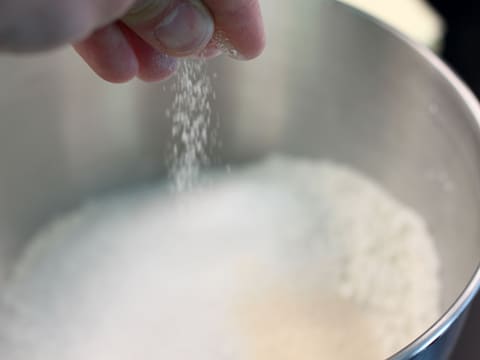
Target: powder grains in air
191	117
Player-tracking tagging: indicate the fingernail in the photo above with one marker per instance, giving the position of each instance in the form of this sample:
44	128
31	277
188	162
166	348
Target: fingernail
145	9
185	28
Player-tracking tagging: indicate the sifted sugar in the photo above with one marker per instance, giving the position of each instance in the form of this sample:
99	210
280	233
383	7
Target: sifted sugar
191	117
287	259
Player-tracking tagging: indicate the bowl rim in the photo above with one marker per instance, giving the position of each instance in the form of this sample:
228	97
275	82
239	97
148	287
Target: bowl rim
462	302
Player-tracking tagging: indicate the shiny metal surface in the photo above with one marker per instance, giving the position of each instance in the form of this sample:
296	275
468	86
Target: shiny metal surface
332	84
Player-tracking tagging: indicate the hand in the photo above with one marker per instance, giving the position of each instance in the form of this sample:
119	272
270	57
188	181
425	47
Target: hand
121	39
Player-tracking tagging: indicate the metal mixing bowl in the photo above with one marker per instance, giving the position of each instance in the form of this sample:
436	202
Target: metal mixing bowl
332	83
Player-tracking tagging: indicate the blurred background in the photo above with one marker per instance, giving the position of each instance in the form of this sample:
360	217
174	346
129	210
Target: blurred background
451	28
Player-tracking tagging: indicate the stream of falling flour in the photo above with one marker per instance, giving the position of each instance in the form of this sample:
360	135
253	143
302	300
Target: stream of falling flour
191	114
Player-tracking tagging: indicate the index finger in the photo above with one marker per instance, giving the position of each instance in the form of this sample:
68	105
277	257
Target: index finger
239	26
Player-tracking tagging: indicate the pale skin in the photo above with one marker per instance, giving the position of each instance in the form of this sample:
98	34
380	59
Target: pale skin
123	39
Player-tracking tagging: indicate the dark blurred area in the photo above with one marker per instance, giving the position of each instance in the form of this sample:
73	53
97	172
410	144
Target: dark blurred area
462	52
461	44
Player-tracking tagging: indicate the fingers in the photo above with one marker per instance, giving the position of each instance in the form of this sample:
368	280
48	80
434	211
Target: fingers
109	54
185	27
168	28
154	65
239	27
176	27
117	55
156	31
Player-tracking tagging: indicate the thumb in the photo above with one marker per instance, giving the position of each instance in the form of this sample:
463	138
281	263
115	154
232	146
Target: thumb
176	27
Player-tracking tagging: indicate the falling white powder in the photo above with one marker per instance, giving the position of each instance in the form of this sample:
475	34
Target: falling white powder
284	260
223	44
191	117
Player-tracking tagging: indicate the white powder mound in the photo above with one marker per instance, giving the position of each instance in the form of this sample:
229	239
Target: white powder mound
284	260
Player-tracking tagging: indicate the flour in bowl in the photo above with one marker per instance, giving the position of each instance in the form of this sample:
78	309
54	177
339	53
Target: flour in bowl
286	259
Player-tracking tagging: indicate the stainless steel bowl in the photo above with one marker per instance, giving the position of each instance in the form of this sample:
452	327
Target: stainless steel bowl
332	83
